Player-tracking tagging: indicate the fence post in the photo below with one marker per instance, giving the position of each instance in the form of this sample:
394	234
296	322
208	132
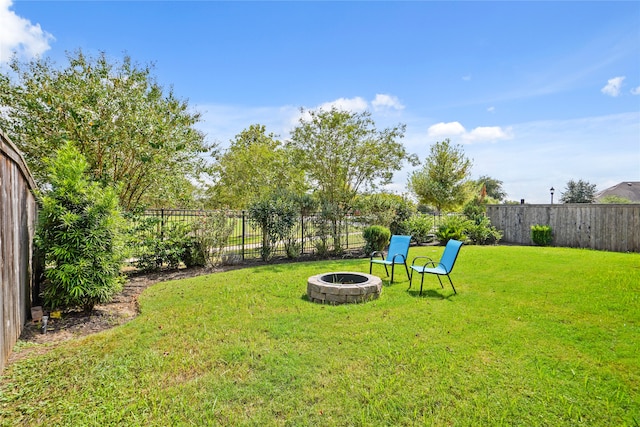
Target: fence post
302	232
346	229
243	233
161	223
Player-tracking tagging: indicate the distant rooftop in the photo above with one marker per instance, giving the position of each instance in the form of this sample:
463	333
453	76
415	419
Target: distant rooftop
629	190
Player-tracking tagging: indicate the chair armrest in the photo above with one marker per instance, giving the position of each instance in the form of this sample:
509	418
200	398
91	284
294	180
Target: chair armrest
404	260
374	253
429	261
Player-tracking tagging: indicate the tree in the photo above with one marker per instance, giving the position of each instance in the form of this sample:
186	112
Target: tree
131	133
492	187
443	180
579	192
79	235
254	165
342	153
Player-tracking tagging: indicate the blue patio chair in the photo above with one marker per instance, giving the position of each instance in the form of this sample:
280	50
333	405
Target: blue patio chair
442	268
396	254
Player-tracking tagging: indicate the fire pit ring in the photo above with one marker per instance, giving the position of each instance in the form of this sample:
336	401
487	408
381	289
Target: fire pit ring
343	287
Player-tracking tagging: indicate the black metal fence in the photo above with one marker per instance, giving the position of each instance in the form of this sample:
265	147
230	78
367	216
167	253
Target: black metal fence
311	234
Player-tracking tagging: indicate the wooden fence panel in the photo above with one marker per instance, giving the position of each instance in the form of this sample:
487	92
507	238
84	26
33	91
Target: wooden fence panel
18	213
609	227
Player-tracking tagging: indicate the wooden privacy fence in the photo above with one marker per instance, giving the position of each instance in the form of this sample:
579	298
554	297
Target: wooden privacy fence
608	227
18	214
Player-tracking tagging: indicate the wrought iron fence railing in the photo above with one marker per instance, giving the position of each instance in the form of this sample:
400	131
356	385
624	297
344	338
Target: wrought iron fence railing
311	234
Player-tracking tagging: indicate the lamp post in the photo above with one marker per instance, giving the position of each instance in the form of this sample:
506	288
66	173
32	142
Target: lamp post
552	190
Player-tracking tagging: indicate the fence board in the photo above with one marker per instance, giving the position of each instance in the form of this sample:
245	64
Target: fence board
18	211
610	227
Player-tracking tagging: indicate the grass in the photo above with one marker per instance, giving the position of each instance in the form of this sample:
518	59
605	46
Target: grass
535	336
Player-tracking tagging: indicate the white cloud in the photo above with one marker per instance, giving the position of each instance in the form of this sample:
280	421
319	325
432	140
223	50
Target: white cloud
466	78
446	130
455	130
487	133
356	104
19	35
635	91
613	86
491	109
383	101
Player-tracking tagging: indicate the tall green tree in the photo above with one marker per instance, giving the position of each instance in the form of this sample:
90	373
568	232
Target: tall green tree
79	235
579	192
132	132
443	182
343	153
256	164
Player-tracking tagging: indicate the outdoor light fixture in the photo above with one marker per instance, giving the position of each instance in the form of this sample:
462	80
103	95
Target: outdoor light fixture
552	190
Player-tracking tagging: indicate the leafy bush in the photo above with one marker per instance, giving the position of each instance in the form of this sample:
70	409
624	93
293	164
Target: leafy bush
327	225
420	227
481	232
453	227
276	217
157	245
79	232
389	210
376	238
541	235
211	233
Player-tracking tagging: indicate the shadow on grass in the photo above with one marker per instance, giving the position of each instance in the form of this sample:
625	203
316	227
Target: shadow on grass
430	293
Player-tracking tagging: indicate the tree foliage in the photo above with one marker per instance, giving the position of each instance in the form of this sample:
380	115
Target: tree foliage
79	234
276	216
342	153
613	199
443	181
130	131
255	164
492	188
389	210
579	192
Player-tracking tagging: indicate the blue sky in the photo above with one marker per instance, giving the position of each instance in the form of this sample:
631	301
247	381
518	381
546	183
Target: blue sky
537	93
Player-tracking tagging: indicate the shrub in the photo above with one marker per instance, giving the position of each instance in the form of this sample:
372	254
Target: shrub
541	235
453	227
276	217
481	232
327	225
389	210
211	233
79	232
376	238
420	227
156	245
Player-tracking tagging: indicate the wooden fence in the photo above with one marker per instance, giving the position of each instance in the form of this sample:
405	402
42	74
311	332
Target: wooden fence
608	227
18	214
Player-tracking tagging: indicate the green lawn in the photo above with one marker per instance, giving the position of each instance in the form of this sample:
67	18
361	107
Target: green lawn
535	336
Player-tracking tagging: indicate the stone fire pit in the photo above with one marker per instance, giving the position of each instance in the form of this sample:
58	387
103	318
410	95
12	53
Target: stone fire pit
343	287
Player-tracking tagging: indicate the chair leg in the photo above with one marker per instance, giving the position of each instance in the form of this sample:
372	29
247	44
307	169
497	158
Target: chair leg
441	285
421	283
410	280
406	268
454	289
393	266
